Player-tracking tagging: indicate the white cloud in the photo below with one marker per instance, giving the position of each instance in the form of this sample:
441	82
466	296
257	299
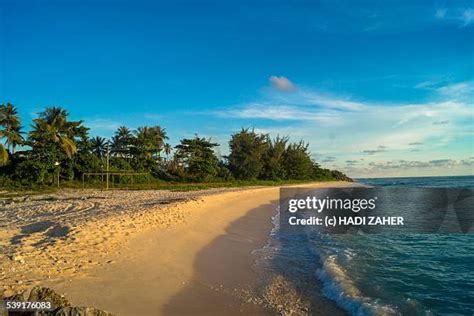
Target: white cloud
395	126
425	85
269	112
99	124
464	16
349	133
331	102
282	83
402	167
468	16
348	130
280	113
457	90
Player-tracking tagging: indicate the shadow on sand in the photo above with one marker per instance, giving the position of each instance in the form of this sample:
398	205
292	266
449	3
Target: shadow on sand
225	270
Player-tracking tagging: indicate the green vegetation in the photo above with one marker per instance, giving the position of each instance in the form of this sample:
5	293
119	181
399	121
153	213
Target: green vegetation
58	148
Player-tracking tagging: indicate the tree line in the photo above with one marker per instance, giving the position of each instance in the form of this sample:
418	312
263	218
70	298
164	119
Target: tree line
57	144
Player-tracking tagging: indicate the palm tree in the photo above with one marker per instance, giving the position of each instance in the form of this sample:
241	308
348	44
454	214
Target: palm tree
11	126
145	141
52	126
168	149
122	141
160	137
149	141
98	146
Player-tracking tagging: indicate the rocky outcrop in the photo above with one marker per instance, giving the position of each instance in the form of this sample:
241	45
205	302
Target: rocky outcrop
60	305
80	311
45	294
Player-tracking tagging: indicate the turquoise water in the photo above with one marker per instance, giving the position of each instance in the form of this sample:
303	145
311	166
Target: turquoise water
385	274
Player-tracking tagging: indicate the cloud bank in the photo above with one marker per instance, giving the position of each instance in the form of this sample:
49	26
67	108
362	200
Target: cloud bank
347	130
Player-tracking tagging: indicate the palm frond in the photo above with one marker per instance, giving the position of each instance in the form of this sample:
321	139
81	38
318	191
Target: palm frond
68	146
3	155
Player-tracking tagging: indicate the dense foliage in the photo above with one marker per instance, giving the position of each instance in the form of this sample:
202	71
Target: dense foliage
57	147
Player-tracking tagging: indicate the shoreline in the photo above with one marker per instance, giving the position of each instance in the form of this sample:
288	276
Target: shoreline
184	266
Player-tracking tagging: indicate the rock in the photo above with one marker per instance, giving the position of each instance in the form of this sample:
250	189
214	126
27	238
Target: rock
3	311
61	306
80	311
11	295
39	293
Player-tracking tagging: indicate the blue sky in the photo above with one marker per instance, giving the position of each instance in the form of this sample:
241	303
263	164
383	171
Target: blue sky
378	88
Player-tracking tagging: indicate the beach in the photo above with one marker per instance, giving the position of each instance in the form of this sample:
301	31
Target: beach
150	252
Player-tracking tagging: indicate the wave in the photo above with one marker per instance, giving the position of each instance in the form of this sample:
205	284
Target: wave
337	284
339	287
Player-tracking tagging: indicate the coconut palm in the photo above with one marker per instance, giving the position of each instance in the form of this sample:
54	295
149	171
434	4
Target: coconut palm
53	126
160	138
150	141
168	149
10	126
122	142
98	146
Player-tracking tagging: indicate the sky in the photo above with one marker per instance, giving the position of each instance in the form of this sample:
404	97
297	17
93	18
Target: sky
378	88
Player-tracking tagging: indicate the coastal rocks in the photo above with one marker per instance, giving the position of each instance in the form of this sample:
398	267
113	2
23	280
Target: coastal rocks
11	296
14	297
60	305
39	293
80	311
8	292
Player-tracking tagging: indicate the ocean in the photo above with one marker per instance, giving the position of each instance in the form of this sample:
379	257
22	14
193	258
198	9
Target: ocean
379	274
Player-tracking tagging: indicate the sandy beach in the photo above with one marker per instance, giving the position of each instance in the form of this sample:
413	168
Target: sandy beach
149	252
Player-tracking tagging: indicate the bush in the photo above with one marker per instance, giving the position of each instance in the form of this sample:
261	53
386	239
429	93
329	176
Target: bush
31	171
117	163
87	162
6	182
225	174
247	150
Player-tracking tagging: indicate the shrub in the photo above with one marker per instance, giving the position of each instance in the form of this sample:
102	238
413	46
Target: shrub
31	171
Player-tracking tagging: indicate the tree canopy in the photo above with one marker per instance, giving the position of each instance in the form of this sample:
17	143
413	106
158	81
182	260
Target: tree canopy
198	159
57	144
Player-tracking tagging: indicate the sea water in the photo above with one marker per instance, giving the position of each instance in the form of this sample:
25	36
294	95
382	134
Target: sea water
381	274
